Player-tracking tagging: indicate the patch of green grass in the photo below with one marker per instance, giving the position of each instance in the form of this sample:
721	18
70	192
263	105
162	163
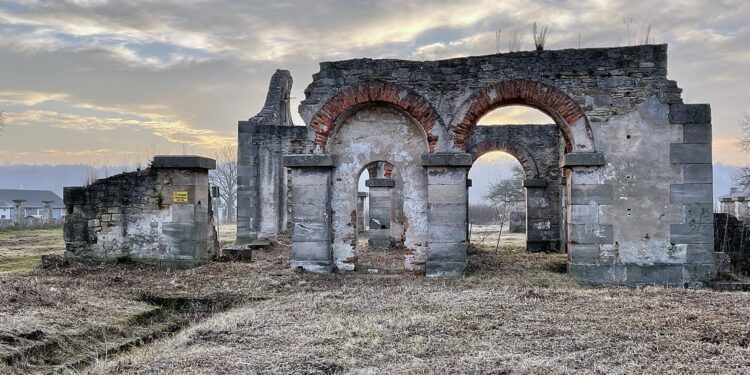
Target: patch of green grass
18	264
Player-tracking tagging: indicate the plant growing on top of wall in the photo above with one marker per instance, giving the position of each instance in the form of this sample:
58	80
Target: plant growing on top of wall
540	36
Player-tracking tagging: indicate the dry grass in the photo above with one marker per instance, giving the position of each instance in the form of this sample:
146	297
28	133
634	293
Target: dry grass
514	313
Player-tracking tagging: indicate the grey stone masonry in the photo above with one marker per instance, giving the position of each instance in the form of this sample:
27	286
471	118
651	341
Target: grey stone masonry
159	215
311	212
583	159
446	213
380	212
361	197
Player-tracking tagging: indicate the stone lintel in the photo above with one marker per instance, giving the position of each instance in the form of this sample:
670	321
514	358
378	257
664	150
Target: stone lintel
726	200
689	113
362	194
583	159
303	161
183	162
535	182
380	182
447	159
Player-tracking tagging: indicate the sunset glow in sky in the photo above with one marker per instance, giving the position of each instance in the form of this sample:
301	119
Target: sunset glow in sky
98	81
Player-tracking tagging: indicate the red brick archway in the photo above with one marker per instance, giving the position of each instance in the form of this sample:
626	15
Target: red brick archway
547	99
528	164
324	121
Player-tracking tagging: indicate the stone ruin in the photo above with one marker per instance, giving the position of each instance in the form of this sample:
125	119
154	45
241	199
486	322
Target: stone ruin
622	182
161	214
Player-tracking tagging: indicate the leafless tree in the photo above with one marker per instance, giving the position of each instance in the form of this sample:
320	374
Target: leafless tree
743	178
225	177
504	196
540	36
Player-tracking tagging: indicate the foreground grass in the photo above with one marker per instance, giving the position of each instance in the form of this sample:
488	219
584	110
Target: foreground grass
514	312
22	250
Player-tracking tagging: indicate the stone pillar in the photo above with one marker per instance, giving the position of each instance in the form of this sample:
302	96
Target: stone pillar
446	212
47	214
311	211
380	212
538	218
361	196
468	221
19	211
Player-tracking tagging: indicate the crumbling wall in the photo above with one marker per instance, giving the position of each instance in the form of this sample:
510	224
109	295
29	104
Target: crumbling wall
262	189
162	214
369	134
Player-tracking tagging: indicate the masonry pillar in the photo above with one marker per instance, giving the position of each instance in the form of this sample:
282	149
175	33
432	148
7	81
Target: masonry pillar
47	215
446	212
540	235
19	211
311	211
361	196
468	221
380	212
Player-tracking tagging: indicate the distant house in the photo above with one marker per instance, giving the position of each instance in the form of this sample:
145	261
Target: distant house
737	203
31	202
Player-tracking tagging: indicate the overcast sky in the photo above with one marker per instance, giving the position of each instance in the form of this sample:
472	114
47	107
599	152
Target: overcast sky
110	81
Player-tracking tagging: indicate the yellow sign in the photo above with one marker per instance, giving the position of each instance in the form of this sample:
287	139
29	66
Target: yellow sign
179	197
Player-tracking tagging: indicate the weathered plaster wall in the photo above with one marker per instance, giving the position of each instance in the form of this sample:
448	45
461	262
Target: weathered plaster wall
378	133
133	215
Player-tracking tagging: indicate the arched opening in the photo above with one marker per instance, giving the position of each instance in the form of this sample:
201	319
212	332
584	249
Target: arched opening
531	138
497	202
378	148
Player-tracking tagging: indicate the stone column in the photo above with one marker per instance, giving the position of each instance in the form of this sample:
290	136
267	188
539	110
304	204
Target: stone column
311	211
361	196
380	212
741	208
538	217
19	211
447	212
47	214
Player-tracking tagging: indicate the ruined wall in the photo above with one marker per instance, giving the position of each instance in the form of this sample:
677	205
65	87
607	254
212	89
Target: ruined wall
637	160
538	149
161	214
262	185
369	134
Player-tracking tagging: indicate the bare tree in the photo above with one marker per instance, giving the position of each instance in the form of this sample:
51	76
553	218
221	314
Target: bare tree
743	178
225	177
504	196
540	36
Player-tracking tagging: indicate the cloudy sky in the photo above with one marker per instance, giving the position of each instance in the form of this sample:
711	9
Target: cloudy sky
101	81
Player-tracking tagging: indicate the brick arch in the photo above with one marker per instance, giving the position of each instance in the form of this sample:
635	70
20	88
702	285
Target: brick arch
524	157
550	100
324	121
372	169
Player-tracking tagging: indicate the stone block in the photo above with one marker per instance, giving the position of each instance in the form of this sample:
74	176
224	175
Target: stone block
586	194
446	193
591	234
696	133
698	173
599	274
311	231
690	153
379	243
311	177
446	213
447	252
584	254
179	231
535	182
657	274
446	269
689	113
691	233
377	202
309	195
182	213
380	182
447	160
303	161
699	213
183	162
378	223
700	254
446	233
691	193
543	246
583	159
699	273
318	251
310	212
446	176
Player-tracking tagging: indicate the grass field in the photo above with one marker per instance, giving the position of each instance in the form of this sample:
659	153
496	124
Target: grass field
514	312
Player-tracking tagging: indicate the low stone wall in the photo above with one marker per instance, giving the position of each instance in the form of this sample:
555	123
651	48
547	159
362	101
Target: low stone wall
162	214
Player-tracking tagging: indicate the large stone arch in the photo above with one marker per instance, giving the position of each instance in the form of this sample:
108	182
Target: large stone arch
524	157
559	106
324	122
